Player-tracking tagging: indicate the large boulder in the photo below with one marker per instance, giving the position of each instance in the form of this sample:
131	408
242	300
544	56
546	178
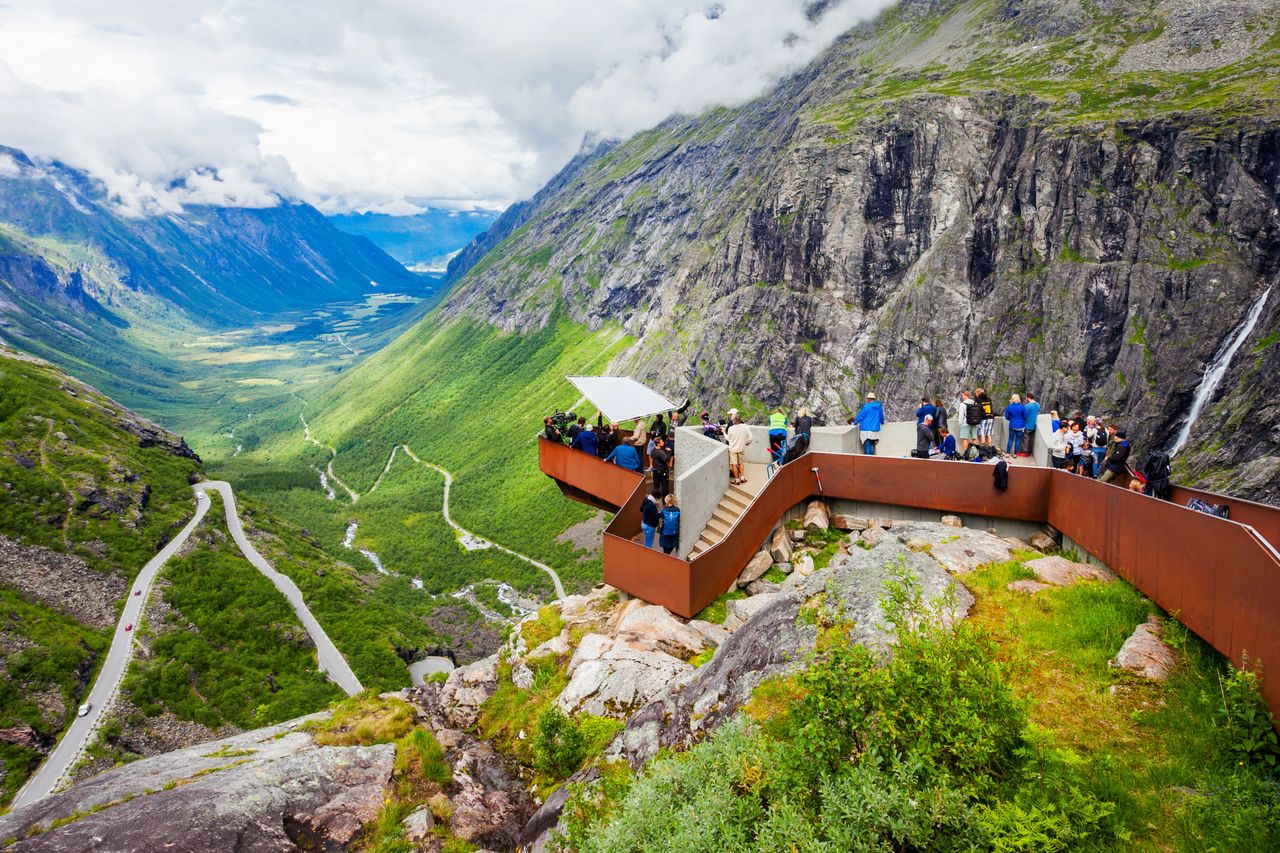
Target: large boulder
275	786
1145	653
817	517
648	627
1059	571
771	642
849	523
780	546
619	681
740	611
758	565
960	550
466	689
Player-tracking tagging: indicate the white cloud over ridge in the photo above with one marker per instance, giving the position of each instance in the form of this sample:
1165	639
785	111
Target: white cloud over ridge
380	104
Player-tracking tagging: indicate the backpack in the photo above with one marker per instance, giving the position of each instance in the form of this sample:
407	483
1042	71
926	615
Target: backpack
972	413
1219	510
1157	471
670	521
1000	476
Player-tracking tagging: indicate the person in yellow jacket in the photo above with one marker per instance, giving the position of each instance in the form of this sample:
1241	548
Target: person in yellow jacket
778	425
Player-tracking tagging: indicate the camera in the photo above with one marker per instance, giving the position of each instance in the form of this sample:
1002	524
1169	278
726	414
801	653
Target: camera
561	419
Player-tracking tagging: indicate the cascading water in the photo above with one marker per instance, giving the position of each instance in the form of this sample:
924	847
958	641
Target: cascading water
1218	369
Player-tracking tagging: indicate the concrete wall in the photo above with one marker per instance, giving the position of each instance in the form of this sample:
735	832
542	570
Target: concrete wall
834	439
702	475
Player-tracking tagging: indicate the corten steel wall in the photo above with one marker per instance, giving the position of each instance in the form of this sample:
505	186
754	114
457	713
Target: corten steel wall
1220	577
583	472
1262	518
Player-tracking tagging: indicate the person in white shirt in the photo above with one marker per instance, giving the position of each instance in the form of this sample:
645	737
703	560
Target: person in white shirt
739	436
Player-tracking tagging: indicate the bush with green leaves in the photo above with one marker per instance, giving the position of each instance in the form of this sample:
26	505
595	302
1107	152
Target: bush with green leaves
560	745
1246	728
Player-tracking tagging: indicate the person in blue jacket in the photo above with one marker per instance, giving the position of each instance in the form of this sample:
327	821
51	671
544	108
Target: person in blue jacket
926	408
1016	414
586	440
625	456
669	539
1031	414
869	420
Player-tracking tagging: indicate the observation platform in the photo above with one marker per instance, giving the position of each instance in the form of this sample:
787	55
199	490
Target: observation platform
1220	577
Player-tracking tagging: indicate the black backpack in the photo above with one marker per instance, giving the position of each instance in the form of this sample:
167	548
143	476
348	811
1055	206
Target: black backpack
1157	471
972	413
1000	476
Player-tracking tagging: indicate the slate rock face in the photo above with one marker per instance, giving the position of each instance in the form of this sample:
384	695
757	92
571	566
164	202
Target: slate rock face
271	789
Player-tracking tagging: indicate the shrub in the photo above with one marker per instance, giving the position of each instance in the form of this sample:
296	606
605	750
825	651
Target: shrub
560	746
1246	728
1233	811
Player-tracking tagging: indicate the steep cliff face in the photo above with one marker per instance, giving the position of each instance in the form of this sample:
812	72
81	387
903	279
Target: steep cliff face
1045	196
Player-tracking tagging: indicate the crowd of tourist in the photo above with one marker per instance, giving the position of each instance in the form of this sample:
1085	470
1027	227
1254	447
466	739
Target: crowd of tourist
1079	443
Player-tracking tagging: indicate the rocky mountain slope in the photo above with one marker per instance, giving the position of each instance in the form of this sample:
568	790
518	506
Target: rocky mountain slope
1077	199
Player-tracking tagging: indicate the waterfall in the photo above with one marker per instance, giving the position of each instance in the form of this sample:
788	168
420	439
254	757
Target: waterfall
1218	368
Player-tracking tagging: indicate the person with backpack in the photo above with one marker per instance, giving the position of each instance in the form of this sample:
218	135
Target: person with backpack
1031	416
650	519
970	418
778	425
661	459
1157	470
869	420
1015	414
987	425
670	538
1116	465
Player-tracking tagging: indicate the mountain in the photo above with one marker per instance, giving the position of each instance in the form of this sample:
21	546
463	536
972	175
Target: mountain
1073	199
95	290
424	241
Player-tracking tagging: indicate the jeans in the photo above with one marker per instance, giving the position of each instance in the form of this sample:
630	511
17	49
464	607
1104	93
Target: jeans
649	530
1015	441
869	447
1098	454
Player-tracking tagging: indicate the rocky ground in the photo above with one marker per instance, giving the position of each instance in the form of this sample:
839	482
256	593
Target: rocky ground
66	584
668	681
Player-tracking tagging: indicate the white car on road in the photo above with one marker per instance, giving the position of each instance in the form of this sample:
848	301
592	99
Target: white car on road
84	710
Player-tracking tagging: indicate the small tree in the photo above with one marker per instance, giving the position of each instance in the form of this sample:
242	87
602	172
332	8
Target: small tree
560	747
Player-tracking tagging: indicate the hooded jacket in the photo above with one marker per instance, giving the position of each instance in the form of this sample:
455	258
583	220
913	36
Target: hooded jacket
870	417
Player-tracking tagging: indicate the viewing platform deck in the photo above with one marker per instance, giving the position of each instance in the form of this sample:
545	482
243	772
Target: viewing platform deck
1220	577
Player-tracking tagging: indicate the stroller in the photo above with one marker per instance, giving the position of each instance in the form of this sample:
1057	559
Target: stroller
788	452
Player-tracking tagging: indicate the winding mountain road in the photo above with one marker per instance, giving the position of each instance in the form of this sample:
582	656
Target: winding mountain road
80	732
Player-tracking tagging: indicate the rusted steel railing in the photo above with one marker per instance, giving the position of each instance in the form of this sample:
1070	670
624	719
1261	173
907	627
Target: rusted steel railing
1221	577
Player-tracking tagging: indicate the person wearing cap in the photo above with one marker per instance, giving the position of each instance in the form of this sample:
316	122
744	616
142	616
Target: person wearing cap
1117	462
586	440
739	436
869	420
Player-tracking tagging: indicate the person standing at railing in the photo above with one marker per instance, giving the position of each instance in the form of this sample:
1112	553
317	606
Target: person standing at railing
626	456
586	440
661	458
650	518
670	538
739	436
940	420
1016	416
1059	447
607	441
778	426
1117	462
1081	458
987	426
926	408
970	418
869	420
1031	417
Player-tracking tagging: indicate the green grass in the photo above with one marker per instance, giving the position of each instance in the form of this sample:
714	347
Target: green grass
232	650
718	610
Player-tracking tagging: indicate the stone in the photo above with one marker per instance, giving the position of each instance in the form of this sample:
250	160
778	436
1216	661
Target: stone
418	825
780	546
959	550
848	522
591	648
817	517
771	642
872	536
620	681
558	646
714	635
741	610
758	565
952	521
1027	586
797	536
885	523
803	565
648	627
1060	571
466	689
761	587
521	675
1041	541
23	735
283	791
1145	653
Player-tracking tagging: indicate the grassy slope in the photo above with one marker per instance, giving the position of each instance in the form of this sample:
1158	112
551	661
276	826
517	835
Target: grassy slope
232	649
51	651
464	396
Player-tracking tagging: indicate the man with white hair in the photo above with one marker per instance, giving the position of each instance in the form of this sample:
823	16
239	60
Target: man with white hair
924	438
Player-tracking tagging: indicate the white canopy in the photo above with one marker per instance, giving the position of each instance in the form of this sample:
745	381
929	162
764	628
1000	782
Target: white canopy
621	398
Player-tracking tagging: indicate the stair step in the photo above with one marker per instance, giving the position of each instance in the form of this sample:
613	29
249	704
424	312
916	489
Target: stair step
735	500
721	528
724	522
740	494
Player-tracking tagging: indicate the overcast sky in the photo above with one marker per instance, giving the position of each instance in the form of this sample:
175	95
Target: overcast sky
380	104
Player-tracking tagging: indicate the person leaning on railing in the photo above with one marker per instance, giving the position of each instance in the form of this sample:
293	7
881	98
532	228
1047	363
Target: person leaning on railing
551	431
626	456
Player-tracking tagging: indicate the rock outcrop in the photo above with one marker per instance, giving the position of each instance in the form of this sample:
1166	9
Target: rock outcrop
1145	652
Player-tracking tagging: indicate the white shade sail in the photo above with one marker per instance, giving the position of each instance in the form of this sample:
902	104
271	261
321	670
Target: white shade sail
621	398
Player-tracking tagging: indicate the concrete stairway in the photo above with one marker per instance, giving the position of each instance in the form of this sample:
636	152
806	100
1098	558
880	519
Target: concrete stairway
731	507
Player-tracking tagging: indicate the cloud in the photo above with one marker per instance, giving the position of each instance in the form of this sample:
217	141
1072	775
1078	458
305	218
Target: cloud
374	105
